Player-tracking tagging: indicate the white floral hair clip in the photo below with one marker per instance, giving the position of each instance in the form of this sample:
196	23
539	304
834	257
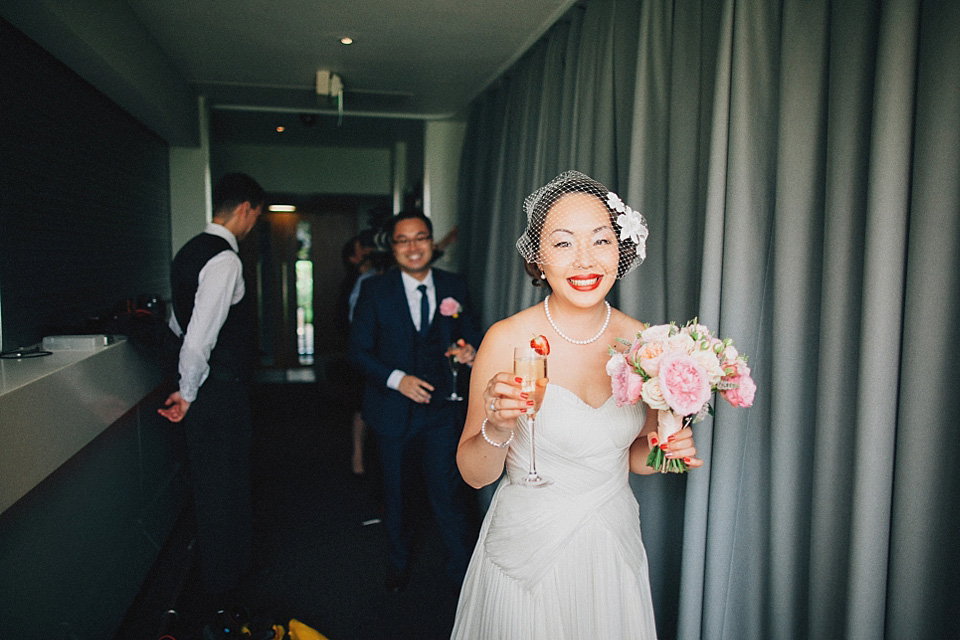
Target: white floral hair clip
631	223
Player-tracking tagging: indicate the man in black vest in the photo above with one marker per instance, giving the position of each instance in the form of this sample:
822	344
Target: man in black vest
213	315
403	325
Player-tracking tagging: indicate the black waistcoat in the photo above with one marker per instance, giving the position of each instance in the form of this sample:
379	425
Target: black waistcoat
235	346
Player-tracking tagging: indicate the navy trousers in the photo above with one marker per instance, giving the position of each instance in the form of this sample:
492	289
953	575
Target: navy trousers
430	449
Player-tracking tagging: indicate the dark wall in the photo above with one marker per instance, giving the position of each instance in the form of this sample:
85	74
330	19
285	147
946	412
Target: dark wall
84	224
84	199
76	550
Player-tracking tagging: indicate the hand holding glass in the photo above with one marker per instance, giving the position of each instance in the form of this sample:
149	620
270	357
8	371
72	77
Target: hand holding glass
531	368
453	351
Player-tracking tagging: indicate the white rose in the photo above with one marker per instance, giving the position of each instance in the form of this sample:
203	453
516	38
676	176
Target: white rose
681	342
708	360
652	396
656	333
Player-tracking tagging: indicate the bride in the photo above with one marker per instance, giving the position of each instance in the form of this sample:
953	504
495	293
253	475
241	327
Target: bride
564	560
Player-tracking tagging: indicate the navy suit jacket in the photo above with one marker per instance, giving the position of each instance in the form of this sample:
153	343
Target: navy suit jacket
383	338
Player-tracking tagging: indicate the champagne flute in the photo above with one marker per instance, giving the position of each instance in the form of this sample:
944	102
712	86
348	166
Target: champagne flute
531	368
452	352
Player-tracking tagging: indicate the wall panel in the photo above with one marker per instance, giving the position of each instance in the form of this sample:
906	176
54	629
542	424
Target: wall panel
84	199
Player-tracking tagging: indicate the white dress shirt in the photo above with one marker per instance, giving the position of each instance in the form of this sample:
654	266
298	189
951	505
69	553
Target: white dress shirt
220	286
410	285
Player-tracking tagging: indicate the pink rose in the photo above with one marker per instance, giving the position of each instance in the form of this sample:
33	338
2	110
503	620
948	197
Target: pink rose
450	307
647	356
746	388
684	383
626	384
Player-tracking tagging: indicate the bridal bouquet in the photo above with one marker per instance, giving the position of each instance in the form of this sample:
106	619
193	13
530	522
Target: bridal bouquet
676	371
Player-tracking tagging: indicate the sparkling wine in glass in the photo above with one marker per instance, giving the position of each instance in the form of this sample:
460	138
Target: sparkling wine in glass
452	351
531	368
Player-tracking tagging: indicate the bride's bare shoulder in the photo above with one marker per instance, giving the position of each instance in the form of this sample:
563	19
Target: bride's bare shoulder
514	329
624	326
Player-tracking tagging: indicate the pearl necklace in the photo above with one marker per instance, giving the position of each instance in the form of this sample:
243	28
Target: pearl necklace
546	307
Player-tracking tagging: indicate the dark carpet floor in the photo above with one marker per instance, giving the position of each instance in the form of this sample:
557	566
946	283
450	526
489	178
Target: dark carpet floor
318	544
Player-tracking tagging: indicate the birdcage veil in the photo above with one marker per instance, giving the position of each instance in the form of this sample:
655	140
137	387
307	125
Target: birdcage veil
570	199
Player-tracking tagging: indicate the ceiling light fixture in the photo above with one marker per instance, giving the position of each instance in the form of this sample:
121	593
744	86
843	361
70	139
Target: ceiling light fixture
285	208
281	129
346	40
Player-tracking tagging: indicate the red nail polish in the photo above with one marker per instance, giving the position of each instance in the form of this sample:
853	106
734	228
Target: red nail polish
524	410
519	379
524	395
670	438
664	446
654	441
687	460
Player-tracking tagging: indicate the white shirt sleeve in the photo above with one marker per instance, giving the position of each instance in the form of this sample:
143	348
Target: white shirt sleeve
220	285
393	381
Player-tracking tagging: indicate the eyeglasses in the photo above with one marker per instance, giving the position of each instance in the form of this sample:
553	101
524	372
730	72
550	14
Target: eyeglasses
403	241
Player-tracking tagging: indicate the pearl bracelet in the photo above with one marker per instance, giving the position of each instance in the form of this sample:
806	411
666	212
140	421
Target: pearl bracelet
498	445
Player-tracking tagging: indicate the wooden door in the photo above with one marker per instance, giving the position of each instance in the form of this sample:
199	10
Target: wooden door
314	234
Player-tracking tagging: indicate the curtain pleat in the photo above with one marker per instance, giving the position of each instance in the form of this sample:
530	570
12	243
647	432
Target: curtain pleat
798	163
852	55
887	209
923	595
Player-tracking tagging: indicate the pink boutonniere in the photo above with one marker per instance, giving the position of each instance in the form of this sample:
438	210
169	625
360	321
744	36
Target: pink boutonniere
450	307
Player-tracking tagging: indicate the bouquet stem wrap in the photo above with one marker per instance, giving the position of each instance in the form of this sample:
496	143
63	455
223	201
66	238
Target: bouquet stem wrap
668	423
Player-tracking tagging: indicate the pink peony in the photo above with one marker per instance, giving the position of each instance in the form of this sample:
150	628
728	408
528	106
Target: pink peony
742	394
684	383
626	384
450	307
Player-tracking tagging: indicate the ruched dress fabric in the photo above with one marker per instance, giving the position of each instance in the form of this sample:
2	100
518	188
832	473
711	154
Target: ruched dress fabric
564	561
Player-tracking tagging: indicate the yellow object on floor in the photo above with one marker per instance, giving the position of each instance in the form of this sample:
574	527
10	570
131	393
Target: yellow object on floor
300	631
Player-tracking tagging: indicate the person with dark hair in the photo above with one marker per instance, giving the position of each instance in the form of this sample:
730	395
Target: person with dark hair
214	316
562	558
404	324
358	263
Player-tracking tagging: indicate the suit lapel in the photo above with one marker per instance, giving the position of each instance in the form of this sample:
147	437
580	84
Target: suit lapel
398	304
440	283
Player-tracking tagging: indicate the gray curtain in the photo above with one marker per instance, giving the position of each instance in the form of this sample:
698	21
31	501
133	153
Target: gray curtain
799	166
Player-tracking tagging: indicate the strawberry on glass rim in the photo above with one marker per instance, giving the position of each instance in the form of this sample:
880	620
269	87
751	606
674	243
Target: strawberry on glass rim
540	345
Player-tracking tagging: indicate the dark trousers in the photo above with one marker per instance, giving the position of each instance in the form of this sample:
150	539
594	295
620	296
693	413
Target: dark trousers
435	449
218	432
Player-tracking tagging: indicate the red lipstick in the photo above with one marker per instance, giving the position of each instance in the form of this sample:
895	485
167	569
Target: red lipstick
587	282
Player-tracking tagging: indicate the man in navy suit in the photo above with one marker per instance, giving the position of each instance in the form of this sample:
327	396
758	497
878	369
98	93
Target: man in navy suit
403	325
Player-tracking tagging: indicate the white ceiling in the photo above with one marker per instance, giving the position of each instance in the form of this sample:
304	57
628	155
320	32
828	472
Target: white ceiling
410	58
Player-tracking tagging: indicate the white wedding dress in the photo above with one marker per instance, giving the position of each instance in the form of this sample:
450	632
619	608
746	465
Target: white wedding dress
563	561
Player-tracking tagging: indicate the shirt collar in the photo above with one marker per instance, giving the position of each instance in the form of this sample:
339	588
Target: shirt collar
219	230
410	283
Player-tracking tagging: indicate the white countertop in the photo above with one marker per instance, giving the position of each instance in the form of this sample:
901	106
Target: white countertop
18	373
52	406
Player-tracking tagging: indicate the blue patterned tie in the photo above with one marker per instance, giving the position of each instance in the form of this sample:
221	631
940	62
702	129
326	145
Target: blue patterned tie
424	310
